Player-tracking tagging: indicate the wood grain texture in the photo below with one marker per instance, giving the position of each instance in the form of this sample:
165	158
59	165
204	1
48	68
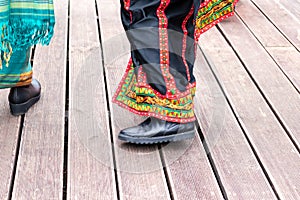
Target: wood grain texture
274	148
188	168
261	27
238	168
140	173
260	65
90	164
287	23
289	61
40	166
268	46
281	50
189	171
292	7
9	131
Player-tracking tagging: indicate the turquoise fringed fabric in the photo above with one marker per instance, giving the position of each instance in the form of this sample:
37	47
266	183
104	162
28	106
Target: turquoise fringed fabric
24	23
19	71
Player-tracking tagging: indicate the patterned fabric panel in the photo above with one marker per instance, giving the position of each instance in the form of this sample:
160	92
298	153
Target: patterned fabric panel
212	12
24	23
143	100
19	71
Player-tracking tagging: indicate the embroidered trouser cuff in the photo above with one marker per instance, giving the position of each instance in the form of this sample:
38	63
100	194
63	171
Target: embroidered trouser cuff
163	34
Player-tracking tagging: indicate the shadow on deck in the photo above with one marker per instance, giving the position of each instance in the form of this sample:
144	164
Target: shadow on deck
247	106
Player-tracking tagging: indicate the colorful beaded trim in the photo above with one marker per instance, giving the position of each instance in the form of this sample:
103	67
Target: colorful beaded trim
212	12
164	48
127	7
138	97
185	35
141	99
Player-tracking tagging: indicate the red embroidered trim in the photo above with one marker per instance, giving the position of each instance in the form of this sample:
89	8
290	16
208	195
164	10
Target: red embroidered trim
164	49
144	84
127	7
126	4
207	1
198	33
191	85
185	32
148	114
141	77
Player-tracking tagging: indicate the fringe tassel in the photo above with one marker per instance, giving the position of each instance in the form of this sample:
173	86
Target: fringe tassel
18	34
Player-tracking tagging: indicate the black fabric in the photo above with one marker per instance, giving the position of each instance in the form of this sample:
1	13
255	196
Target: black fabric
141	24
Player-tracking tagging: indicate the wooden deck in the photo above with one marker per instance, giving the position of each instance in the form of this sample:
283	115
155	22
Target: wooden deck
247	106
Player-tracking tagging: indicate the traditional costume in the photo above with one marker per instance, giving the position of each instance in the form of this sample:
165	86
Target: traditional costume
23	23
159	81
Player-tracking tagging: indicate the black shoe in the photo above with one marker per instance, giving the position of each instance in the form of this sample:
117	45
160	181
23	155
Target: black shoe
22	98
154	130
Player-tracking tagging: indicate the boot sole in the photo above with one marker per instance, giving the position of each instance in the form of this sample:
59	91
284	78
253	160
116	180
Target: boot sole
22	108
159	139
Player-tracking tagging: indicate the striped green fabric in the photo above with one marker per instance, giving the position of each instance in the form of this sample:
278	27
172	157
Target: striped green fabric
24	23
19	71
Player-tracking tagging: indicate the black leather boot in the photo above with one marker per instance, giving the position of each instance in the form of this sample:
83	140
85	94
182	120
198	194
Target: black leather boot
154	130
22	98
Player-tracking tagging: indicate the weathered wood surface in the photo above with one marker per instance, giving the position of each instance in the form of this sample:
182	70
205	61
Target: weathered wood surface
9	133
282	18
188	167
256	118
140	173
280	94
39	172
280	49
292	8
247	107
189	171
232	155
90	160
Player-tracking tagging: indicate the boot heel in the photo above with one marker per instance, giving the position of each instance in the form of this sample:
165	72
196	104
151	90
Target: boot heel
20	109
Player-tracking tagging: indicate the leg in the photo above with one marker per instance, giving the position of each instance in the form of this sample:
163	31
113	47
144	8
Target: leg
24	91
18	71
159	81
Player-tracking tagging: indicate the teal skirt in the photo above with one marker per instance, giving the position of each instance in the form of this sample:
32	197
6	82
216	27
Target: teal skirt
18	72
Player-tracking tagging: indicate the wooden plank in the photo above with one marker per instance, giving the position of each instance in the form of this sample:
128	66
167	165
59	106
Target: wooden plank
140	174
292	7
9	126
289	61
238	168
264	30
278	90
187	164
283	20
90	164
40	166
187	161
285	55
273	147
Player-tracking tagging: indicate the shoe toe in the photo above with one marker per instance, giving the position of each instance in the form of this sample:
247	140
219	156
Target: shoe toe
132	131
